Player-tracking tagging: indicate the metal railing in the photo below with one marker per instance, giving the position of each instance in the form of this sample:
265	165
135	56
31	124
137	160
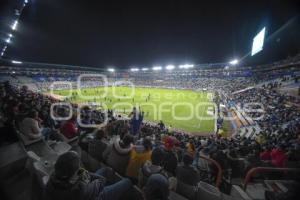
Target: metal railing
219	168
256	170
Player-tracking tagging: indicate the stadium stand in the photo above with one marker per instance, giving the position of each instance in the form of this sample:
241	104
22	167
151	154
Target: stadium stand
259	160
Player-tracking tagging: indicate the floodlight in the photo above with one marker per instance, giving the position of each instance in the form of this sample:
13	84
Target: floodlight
134	69
14	26
16	62
155	68
145	69
13	72
170	67
111	69
234	62
10	35
2	53
186	66
258	42
25	1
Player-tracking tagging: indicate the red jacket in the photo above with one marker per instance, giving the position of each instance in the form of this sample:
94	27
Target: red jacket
266	155
278	158
68	129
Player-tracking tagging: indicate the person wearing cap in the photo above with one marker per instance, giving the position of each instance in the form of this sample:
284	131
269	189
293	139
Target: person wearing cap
170	158
69	181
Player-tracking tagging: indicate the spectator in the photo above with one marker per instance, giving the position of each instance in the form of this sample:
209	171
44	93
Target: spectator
187	173
278	157
68	128
136	121
139	155
170	158
118	154
46	117
190	147
161	125
151	167
12	109
30	127
157	187
265	155
200	163
68	181
97	146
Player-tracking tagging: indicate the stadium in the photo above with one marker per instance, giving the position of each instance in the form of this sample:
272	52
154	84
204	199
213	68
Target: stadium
159	123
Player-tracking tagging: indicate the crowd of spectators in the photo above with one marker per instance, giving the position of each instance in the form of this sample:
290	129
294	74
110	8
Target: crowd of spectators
151	156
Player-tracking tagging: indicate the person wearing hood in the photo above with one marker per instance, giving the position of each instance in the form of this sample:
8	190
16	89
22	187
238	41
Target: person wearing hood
138	156
155	167
69	181
151	167
157	187
117	155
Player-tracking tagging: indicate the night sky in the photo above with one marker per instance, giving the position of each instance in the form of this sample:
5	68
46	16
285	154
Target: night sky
147	33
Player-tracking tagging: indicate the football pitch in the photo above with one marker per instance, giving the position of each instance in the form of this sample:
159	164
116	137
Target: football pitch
185	110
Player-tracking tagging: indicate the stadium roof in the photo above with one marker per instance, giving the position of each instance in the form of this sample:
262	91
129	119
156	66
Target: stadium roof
125	34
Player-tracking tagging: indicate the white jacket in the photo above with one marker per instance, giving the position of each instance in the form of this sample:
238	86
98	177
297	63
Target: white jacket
30	128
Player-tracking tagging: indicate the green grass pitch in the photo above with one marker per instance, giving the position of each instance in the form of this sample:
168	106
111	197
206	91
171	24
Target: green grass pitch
179	109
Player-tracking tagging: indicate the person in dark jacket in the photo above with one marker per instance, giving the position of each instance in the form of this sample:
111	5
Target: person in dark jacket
157	187
98	145
117	155
154	167
69	181
136	121
151	167
187	173
170	159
